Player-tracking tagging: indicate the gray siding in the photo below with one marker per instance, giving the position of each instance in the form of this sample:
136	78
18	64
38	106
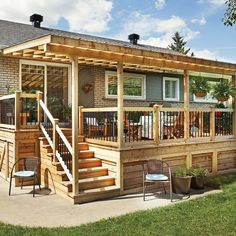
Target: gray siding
154	85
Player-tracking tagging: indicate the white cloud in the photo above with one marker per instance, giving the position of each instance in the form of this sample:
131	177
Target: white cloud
160	4
217	2
211	54
85	16
213	3
154	31
206	54
200	21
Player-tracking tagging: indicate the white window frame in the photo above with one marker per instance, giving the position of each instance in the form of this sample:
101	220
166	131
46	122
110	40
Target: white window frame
203	99
45	64
142	76
176	89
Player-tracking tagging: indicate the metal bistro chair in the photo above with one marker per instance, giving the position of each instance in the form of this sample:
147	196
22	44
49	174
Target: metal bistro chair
29	170
155	173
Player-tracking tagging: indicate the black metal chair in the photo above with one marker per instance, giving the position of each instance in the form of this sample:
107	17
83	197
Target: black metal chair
156	171
29	170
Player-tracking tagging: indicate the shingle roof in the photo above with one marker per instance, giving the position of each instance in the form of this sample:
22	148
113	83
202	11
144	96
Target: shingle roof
12	33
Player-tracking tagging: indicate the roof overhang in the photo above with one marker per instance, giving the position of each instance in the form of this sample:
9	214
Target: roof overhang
61	49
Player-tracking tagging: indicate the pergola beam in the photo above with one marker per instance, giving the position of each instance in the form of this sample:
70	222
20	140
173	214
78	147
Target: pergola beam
138	60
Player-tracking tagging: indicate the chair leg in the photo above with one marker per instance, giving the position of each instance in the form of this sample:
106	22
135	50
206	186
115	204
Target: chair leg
10	185
144	188
38	182
163	185
22	181
171	193
34	186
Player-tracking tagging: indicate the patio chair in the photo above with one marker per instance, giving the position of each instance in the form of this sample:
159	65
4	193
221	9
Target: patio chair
29	169
157	171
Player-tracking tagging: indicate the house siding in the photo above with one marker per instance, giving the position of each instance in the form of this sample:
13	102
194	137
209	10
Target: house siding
9	73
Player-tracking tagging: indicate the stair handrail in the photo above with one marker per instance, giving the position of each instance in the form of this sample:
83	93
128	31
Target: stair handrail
53	140
59	155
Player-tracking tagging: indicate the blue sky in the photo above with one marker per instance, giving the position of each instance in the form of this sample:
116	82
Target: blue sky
199	21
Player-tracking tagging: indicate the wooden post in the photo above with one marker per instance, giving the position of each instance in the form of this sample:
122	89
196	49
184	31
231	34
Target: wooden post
186	105
81	120
189	160
156	122
120	104
39	108
7	159
55	138
75	146
17	110
214	162
212	124
234	106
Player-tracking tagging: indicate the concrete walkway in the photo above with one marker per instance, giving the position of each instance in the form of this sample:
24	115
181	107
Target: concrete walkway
50	210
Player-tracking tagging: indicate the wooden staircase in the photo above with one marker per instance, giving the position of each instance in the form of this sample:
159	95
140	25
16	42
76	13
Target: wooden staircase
95	182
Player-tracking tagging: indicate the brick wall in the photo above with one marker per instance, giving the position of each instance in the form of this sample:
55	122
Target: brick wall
9	73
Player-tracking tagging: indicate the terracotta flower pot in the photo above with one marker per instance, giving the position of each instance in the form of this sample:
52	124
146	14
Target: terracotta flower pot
197	183
222	98
200	94
181	185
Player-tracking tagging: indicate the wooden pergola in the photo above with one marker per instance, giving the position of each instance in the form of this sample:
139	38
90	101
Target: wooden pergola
80	51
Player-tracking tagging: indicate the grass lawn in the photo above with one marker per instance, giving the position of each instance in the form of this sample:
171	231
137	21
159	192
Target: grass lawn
211	215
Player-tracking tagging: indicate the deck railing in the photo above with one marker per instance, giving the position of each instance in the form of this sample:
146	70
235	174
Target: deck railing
19	111
99	125
155	124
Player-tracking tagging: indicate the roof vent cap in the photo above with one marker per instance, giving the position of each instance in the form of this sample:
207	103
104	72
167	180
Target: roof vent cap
133	38
36	20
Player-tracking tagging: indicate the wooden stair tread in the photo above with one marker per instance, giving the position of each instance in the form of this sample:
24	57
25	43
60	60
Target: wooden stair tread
92	169
95	179
99	190
88	160
97	168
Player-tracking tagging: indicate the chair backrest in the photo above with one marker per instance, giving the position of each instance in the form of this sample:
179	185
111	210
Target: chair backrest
31	164
155	166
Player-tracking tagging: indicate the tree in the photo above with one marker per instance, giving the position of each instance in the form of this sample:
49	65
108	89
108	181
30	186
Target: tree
179	44
230	13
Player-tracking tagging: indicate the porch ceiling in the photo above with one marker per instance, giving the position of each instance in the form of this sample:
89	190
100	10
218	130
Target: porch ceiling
61	49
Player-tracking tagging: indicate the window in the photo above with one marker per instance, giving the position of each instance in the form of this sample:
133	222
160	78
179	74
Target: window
134	85
208	98
50	78
170	89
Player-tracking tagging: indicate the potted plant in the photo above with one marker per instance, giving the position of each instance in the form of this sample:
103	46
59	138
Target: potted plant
199	86
198	177
181	180
223	90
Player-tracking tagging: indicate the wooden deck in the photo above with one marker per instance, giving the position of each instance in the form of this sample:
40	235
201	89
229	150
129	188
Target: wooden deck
108	165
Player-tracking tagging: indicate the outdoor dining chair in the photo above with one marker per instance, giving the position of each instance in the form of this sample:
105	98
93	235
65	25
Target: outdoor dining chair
28	168
156	171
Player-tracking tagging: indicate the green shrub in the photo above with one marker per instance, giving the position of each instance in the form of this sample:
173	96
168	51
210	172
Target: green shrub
182	172
199	172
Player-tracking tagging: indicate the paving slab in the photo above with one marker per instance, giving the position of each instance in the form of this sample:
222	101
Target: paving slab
48	209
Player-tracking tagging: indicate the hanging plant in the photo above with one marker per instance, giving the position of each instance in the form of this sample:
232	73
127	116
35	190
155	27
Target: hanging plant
223	90
199	86
87	88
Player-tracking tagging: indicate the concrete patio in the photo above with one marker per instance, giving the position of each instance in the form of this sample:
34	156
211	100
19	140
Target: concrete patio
48	209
